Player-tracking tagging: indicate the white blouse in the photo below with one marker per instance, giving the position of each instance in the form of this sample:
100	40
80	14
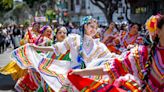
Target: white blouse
72	43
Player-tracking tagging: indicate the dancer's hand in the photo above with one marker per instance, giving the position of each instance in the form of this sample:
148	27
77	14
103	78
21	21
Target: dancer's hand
76	71
88	71
32	45
130	46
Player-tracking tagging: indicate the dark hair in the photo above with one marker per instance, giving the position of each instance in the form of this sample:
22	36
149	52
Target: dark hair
122	26
42	31
147	70
82	30
57	30
80	55
132	24
117	27
160	22
112	22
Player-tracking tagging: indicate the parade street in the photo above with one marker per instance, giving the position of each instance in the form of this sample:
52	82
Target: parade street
81	46
6	82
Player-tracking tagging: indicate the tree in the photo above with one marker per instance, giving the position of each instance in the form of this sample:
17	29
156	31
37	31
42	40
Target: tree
6	5
146	9
126	12
107	6
31	2
50	14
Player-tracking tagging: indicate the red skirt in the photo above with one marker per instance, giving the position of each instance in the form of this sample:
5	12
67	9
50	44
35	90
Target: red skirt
88	85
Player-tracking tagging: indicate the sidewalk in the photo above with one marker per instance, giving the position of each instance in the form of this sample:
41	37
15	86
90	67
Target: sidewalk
5	57
6	82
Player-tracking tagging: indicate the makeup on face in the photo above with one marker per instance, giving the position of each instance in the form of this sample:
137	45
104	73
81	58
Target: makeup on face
91	28
112	25
161	32
134	29
36	27
48	32
61	34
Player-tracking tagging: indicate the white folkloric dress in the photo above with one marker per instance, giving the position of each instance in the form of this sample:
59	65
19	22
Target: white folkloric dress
54	71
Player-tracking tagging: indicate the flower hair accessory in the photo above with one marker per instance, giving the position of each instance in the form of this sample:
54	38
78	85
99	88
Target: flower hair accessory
151	24
86	20
43	29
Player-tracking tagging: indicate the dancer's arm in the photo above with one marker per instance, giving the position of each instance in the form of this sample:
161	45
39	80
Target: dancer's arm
43	48
104	39
59	47
89	71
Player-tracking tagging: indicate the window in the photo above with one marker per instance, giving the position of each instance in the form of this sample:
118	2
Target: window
120	5
66	4
123	10
72	5
140	10
83	4
77	2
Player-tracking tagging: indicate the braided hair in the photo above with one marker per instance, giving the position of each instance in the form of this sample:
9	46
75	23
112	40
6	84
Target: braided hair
147	69
146	72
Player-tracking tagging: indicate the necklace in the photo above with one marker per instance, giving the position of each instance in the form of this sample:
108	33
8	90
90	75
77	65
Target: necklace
88	43
88	46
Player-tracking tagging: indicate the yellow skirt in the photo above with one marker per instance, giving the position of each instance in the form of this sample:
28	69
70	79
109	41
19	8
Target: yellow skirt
14	70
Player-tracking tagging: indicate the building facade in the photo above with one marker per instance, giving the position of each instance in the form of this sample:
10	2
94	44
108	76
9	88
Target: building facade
134	10
80	8
142	10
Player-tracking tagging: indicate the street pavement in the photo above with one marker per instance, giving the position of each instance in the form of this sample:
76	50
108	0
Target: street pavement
6	82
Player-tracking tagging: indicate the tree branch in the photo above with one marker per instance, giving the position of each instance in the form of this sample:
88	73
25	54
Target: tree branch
126	12
107	7
95	2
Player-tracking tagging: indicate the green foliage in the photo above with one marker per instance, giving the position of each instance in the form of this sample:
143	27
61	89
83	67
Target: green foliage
26	23
18	8
50	14
31	2
6	5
